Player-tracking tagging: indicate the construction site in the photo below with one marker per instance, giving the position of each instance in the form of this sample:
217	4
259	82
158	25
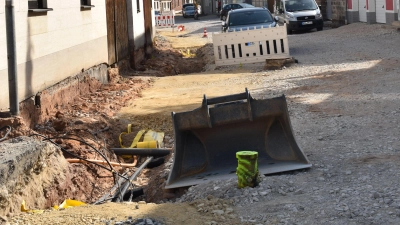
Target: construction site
159	144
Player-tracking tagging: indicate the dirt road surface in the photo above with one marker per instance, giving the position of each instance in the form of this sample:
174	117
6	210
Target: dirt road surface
343	99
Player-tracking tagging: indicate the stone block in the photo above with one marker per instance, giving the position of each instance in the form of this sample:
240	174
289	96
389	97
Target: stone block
276	64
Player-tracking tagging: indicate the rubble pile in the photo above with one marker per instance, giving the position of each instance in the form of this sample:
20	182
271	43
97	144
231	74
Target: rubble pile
131	221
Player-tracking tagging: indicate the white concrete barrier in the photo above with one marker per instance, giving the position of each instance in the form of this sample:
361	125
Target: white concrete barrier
250	45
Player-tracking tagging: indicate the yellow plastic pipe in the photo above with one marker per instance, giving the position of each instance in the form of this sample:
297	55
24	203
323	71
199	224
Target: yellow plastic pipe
104	162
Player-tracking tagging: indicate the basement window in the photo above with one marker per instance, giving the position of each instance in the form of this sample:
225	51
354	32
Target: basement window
86	4
38	6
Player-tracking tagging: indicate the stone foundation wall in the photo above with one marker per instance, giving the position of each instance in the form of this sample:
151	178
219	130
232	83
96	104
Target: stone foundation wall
37	109
353	16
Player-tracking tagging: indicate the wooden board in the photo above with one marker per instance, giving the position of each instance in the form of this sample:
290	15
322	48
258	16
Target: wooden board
121	28
148	26
111	32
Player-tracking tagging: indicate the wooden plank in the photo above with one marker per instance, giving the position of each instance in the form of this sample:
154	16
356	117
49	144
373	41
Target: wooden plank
121	30
110	32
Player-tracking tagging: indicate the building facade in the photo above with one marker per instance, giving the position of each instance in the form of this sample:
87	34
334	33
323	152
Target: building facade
373	11
57	39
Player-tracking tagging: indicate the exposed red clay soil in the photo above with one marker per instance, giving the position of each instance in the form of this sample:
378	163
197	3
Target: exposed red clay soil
82	115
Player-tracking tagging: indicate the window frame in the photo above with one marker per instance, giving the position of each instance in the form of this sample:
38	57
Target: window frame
138	6
41	6
86	4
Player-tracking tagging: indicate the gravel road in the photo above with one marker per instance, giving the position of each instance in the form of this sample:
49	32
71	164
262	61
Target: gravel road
343	98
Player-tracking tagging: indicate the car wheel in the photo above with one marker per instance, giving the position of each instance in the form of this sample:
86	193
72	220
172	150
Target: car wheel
320	28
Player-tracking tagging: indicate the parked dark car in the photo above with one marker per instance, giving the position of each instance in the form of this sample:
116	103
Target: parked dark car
188	11
229	7
248	19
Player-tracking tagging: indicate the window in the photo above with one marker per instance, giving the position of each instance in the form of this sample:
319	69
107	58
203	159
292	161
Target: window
235	6
227	7
250	18
38	6
138	6
86	4
279	7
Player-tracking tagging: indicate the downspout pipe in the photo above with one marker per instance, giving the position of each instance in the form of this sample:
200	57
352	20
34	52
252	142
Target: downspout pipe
345	13
12	59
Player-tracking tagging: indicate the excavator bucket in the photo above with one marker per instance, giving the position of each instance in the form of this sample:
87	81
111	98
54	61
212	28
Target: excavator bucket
207	139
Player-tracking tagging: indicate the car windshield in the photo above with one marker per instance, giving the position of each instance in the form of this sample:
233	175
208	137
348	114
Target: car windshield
300	5
189	8
244	5
249	17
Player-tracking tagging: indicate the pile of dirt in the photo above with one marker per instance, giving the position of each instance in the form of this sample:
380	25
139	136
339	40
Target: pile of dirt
171	60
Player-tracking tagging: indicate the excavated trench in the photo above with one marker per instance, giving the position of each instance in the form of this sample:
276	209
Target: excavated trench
167	60
86	126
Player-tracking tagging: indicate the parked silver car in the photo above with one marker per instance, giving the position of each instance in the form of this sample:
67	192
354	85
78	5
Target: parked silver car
299	14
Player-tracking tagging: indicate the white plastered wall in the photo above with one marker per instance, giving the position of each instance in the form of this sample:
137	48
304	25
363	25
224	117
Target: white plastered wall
53	46
355	5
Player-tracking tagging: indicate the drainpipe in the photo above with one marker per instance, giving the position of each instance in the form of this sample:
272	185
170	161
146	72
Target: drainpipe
12	59
345	13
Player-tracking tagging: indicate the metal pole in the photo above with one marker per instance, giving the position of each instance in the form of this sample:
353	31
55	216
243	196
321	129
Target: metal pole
12	59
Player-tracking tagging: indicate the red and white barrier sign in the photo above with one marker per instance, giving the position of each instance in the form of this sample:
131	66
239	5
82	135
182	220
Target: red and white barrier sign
165	20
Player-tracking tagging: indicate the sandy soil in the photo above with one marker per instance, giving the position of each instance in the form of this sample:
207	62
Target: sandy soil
182	40
113	212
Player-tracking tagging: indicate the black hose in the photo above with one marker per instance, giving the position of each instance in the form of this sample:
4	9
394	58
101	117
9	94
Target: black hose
94	140
76	156
7	133
155	163
133	193
84	142
134	175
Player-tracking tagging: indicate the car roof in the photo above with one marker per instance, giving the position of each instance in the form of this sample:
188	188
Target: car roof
245	4
247	10
242	4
